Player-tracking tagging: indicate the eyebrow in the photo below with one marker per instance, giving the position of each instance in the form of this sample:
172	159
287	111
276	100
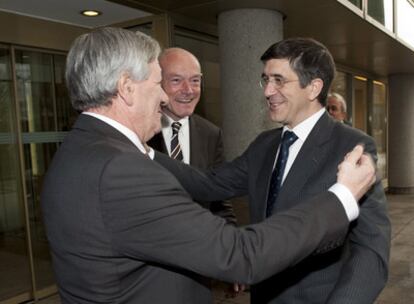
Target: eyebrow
182	76
272	75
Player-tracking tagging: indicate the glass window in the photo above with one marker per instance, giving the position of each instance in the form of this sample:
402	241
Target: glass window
360	93
14	261
378	120
340	86
382	11
357	3
44	110
405	21
66	115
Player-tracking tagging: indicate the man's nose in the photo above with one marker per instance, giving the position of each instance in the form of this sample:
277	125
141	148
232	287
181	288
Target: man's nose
269	89
186	87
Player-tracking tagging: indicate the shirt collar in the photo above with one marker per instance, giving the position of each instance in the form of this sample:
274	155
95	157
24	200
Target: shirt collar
131	135
167	121
303	129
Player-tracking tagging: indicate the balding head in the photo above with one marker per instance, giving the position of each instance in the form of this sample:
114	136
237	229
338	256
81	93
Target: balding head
181	80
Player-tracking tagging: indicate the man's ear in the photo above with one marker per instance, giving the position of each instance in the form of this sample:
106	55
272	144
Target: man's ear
125	89
315	88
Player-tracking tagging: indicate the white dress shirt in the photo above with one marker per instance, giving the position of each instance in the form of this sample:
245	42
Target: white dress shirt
302	131
183	135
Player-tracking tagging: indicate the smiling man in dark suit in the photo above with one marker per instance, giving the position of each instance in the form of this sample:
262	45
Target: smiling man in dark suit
287	165
122	229
198	142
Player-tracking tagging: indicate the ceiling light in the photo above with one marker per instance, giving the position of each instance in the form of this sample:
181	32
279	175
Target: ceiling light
91	13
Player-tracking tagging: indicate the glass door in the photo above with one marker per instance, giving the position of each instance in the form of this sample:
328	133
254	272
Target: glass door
35	113
360	94
15	270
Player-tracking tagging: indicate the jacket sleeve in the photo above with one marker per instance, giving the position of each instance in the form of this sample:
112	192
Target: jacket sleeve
151	218
222	208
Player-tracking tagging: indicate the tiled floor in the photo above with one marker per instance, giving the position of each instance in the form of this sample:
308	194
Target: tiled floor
400	287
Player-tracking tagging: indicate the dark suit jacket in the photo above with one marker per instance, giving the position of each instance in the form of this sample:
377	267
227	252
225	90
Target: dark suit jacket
353	273
206	150
121	227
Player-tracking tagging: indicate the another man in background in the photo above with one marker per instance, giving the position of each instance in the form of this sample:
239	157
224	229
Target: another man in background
336	107
187	136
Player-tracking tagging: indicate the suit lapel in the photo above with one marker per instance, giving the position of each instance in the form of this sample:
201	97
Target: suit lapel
308	161
158	143
197	151
265	173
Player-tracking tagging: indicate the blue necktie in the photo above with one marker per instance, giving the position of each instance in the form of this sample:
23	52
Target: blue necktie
276	181
176	152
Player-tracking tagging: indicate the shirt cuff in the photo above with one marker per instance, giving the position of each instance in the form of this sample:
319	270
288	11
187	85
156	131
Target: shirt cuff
347	199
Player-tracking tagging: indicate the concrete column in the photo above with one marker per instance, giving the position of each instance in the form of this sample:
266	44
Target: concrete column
244	35
401	134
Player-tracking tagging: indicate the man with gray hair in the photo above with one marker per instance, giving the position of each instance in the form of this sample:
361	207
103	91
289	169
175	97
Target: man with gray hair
122	229
336	107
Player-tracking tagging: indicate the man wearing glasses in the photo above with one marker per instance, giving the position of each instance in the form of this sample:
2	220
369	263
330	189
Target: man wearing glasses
286	165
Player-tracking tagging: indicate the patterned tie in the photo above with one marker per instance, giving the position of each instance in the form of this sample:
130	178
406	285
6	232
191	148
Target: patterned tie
276	181
176	152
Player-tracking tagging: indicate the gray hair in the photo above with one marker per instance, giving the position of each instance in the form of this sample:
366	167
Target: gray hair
340	99
97	60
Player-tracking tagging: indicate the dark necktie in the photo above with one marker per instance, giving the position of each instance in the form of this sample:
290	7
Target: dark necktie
176	152
276	181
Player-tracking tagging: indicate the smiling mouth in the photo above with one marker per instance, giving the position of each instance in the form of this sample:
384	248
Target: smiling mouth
184	100
275	104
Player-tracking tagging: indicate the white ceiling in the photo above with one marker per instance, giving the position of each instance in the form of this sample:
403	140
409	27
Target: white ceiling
68	11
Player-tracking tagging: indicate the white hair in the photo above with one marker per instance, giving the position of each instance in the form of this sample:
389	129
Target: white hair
97	60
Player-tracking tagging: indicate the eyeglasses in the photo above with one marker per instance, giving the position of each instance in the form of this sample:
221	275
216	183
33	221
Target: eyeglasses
277	81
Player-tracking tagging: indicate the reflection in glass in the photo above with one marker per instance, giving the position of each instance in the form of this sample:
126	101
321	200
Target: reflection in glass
379	125
357	3
360	103
405	21
14	262
340	86
35	74
376	10
66	115
382	11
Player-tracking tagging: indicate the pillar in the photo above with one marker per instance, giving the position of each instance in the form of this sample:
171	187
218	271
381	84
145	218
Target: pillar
401	134
244	35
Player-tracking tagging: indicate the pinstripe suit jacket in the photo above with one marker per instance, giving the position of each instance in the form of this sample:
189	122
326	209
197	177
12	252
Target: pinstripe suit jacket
353	273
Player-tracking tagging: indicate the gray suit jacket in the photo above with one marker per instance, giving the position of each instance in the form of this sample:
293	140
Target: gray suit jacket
121	227
353	273
206	150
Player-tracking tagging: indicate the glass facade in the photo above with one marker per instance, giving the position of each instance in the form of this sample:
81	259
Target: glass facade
366	109
378	124
14	259
360	95
357	3
405	21
33	122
